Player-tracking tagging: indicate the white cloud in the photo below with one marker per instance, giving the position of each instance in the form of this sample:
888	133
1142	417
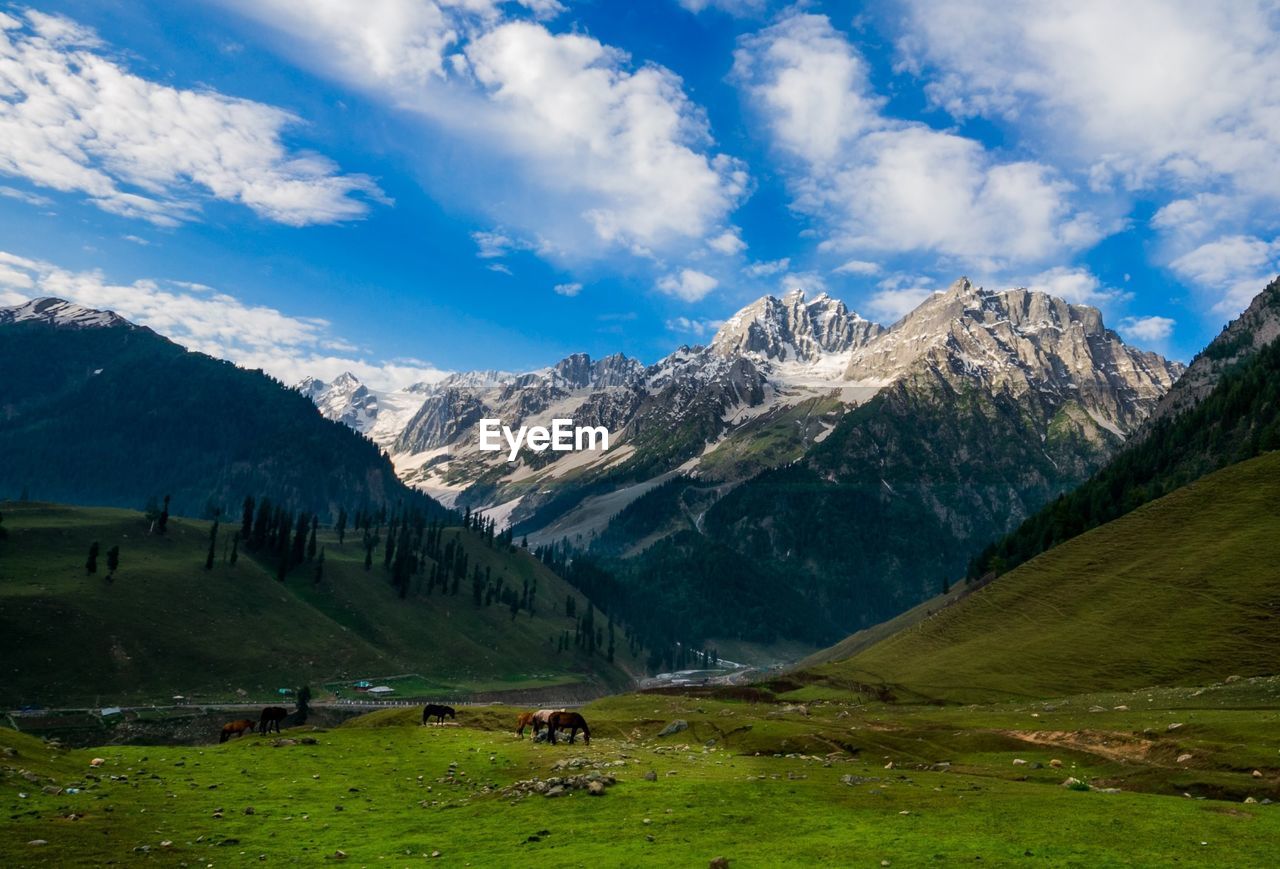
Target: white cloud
497	244
810	282
728	243
688	284
23	196
858	267
570	289
883	184
701	328
1077	285
741	8
591	152
74	120
1230	271
1148	329
891	305
205	320
1175	101
770	267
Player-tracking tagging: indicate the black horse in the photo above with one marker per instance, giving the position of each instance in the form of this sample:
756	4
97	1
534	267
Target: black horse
438	712
570	721
271	717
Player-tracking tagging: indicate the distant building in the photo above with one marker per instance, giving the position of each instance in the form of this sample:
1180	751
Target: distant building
362	686
382	690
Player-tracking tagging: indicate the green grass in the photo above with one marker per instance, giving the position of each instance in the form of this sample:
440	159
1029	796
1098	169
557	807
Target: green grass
166	626
770	792
1184	590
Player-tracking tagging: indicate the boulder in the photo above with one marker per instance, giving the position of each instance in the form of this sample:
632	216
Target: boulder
674	727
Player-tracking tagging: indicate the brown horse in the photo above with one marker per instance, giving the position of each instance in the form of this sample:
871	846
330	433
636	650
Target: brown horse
271	717
237	728
537	720
570	721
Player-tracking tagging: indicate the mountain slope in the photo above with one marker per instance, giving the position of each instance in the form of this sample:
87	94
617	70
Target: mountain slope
1238	417
986	405
96	410
167	626
1181	591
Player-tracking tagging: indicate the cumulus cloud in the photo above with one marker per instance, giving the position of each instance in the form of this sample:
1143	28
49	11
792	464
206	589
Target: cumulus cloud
1147	329
893	303
1174	100
741	8
570	289
768	267
206	320
75	120
1077	285
857	267
728	243
882	184
690	285
1230	271
595	153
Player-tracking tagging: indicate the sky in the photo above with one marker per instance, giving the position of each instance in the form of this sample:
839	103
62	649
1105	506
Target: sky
404	187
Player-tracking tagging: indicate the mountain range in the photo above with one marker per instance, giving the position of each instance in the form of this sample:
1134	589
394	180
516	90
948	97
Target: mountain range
792	467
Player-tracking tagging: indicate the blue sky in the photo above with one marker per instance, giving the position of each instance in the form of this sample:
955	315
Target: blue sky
400	187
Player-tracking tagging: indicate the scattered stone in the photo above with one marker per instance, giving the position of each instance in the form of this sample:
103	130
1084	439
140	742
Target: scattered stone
718	863
1183	758
674	727
555	791
889	765
1055	763
1173	727
1251	801
435	853
339	854
1017	761
1096	709
651	776
52	790
1257	773
36	843
1230	679
1121	708
1072	782
248	810
595	788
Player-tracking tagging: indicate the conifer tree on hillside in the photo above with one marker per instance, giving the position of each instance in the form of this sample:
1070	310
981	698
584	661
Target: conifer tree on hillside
213	544
91	565
246	517
342	525
162	525
311	541
235	549
320	565
113	562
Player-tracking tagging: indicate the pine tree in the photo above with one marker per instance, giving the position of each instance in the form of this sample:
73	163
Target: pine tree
282	570
113	561
299	552
91	565
320	565
311	541
246	518
163	524
235	549
213	544
342	525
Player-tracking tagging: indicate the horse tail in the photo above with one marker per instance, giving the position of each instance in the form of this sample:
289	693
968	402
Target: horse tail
223	736
586	731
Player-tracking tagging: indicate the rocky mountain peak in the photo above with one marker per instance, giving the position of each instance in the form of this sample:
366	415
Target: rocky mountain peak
62	314
793	328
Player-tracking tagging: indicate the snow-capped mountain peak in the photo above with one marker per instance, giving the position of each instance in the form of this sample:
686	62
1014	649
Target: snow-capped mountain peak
793	329
61	313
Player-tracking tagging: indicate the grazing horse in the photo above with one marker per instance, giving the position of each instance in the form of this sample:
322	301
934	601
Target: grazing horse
237	728
271	717
537	720
570	721
438	712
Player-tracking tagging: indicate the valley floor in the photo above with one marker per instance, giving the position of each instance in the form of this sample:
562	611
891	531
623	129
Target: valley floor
1153	777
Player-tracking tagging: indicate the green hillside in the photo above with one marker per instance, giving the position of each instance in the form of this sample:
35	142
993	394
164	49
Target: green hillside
167	626
1184	590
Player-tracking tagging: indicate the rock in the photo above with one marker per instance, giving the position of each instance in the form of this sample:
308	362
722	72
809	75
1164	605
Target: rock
97	761
1055	763
435	853
1251	801
1096	709
674	727
651	776
889	765
1230	679
718	863
1072	782
595	788
36	843
339	854
1121	708
1017	761
52	790
555	791
1183	758
1173	727
1257	773
248	810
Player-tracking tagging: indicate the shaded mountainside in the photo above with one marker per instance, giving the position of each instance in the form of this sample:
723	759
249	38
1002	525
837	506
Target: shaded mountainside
1182	591
1236	419
165	625
96	410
